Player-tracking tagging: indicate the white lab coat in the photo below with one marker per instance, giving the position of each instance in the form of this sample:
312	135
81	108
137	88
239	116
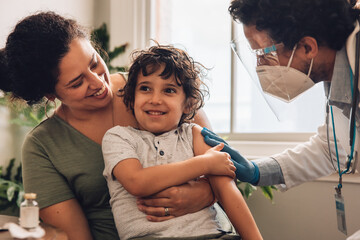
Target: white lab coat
311	160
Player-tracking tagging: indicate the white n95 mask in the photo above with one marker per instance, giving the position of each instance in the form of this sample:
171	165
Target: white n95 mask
284	82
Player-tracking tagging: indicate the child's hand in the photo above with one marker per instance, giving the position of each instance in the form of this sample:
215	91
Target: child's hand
219	163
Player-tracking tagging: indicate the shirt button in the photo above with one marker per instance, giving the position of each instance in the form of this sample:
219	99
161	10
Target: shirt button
161	152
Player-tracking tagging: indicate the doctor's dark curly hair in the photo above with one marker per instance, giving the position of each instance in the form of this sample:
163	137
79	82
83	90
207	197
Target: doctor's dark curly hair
330	22
177	63
29	63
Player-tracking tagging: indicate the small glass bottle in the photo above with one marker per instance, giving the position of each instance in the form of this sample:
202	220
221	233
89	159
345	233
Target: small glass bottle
29	212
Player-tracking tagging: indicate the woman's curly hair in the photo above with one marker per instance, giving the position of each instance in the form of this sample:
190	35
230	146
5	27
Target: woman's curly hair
177	63
330	22
30	60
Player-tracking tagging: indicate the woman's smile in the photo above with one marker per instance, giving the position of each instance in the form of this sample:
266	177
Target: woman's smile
101	93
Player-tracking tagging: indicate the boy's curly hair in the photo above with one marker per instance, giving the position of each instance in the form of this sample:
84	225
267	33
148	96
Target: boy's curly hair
187	72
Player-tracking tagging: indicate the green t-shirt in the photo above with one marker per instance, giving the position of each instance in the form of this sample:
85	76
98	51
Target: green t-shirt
60	163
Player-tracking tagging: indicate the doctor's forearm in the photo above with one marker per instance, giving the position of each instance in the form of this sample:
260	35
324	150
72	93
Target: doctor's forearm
270	172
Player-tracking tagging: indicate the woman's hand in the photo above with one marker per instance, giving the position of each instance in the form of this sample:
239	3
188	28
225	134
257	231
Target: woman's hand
180	200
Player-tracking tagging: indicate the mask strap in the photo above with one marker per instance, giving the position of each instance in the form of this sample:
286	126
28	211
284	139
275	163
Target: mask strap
292	55
310	68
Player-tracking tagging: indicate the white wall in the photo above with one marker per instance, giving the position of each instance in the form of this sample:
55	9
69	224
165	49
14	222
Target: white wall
14	10
101	12
129	23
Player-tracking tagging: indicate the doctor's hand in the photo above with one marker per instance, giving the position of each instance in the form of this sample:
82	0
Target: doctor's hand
246	171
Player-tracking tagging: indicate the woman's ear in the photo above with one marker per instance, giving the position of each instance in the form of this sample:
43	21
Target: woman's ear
50	97
310	45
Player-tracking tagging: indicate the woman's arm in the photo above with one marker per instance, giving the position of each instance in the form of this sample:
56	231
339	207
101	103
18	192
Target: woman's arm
141	181
69	217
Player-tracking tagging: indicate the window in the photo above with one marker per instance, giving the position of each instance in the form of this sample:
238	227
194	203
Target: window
205	28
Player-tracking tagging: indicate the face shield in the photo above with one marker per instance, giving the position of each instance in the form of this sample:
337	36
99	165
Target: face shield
279	85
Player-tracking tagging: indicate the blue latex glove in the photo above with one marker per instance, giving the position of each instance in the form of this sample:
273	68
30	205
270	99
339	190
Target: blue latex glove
246	171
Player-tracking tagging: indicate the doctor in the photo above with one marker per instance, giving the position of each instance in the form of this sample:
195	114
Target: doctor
299	43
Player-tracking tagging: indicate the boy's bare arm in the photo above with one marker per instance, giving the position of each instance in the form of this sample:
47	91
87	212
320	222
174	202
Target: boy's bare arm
235	207
141	181
200	147
229	196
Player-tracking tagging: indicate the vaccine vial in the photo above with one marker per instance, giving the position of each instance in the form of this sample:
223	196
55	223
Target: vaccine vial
29	211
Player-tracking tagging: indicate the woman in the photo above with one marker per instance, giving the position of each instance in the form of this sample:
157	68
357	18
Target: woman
49	56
